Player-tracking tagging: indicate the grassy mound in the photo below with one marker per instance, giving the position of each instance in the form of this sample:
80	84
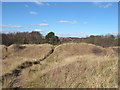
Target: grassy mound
77	72
78	49
3	50
17	55
74	65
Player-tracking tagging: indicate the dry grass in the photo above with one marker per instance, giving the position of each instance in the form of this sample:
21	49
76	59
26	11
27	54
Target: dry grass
87	71
29	53
74	65
3	51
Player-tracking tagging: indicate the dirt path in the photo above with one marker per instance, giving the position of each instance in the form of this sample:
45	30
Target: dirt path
16	72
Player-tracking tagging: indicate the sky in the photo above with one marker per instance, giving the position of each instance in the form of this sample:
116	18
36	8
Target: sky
66	19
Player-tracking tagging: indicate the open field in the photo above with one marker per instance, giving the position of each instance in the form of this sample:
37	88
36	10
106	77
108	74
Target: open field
71	65
63	44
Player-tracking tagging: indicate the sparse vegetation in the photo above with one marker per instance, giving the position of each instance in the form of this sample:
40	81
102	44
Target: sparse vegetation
96	50
52	39
104	41
84	64
99	40
22	38
73	65
37	38
59	45
18	47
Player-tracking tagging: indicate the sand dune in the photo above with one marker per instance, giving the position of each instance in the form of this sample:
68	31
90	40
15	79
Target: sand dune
74	65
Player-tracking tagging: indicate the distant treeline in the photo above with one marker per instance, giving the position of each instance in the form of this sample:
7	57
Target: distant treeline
104	41
100	40
28	38
37	38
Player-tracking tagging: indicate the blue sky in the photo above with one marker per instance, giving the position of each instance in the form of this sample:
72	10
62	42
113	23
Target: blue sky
66	19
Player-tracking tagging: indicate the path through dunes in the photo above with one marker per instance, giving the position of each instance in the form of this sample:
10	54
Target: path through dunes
69	65
80	72
17	55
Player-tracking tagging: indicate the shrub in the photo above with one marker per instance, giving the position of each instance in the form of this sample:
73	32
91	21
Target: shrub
96	50
51	38
18	47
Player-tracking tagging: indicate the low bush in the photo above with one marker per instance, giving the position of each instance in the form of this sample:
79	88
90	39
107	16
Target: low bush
18	47
96	50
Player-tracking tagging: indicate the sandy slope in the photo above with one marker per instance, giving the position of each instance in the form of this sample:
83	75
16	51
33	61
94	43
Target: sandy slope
75	65
29	53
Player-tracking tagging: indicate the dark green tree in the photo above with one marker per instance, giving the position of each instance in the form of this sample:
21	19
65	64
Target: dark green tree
54	40
51	38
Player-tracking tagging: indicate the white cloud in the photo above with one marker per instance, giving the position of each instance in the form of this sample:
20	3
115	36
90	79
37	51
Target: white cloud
41	3
85	22
38	30
110	33
97	3
47	4
65	21
116	32
26	6
11	26
38	3
64	34
75	34
74	22
44	24
106	6
31	24
79	32
102	5
33	12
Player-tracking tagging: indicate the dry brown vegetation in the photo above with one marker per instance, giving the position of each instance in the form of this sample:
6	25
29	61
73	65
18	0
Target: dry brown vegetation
71	65
16	56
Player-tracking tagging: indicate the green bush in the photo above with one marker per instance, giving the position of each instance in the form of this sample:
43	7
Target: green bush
96	50
52	39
